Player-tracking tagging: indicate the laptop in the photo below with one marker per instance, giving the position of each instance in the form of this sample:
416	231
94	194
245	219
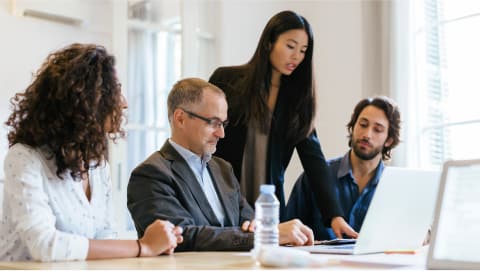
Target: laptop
455	240
399	215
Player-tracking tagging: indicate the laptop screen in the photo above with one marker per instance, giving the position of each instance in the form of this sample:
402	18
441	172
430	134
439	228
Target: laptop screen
456	237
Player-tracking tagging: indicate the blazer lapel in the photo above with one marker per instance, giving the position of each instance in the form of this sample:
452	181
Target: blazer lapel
229	209
181	169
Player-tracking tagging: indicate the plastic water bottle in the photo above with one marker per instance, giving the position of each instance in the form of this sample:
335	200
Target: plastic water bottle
267	219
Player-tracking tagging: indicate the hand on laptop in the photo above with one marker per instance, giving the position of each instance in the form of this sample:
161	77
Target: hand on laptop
340	227
295	233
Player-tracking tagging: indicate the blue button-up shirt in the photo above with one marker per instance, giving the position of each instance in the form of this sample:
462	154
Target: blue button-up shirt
199	168
302	204
354	204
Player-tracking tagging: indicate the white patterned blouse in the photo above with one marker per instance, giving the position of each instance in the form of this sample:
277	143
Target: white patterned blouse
49	219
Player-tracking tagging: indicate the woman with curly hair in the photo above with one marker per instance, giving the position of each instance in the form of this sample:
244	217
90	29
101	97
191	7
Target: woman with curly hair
57	193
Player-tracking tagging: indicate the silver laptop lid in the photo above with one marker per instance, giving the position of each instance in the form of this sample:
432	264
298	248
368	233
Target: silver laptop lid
399	215
455	240
401	211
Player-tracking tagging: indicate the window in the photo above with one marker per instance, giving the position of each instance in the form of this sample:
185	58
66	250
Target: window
164	40
445	43
154	64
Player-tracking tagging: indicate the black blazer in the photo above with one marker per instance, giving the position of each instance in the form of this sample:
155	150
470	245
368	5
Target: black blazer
164	187
280	150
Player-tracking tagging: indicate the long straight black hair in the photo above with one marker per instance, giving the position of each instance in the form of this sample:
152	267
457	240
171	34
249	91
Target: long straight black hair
300	84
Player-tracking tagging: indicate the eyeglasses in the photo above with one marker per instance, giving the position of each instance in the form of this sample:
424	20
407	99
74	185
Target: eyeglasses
213	122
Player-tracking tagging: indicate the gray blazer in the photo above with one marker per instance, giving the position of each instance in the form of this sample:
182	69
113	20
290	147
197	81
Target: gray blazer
164	187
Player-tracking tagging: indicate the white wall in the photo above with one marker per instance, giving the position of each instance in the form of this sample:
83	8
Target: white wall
26	42
347	57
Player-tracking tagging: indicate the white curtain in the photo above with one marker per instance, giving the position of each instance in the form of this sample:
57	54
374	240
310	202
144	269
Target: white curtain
142	94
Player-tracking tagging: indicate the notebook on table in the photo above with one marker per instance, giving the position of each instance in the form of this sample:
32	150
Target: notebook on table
455	240
399	215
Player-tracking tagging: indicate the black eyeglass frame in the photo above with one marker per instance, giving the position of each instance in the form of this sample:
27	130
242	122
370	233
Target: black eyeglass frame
213	122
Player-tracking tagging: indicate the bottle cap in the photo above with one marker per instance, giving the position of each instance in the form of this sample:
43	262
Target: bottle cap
266	189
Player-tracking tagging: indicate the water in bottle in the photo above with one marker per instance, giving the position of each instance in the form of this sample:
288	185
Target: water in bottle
267	219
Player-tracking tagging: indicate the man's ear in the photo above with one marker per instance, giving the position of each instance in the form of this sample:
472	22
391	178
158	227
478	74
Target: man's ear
178	117
388	142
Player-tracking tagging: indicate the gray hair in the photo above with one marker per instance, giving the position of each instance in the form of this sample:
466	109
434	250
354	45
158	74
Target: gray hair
187	92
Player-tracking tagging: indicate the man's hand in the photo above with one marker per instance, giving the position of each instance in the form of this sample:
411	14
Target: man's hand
340	227
295	233
248	226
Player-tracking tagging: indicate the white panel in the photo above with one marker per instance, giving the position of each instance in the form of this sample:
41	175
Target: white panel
66	11
26	42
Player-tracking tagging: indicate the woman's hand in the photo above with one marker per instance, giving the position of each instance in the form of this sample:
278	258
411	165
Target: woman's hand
161	237
340	227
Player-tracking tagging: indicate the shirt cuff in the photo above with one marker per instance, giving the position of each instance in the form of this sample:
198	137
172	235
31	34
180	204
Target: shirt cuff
79	248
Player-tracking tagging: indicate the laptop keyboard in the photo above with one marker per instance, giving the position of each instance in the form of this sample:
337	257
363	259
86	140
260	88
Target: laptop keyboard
341	247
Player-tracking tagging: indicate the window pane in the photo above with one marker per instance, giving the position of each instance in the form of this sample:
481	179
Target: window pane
450	143
455	9
154	11
462	75
463	141
169	71
142	92
447	64
142	144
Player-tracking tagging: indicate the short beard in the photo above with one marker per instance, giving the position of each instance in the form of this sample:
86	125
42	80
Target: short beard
366	156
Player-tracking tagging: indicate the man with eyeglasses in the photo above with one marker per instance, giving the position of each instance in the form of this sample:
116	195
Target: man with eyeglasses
185	184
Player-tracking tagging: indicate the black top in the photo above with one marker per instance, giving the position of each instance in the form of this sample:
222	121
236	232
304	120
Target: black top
280	150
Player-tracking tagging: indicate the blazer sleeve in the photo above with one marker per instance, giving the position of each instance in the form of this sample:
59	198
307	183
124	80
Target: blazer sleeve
246	212
320	177
155	194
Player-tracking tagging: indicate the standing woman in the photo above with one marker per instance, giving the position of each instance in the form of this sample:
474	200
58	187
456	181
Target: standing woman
57	193
272	107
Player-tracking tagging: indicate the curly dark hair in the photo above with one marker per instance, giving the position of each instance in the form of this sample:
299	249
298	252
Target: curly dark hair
73	102
390	108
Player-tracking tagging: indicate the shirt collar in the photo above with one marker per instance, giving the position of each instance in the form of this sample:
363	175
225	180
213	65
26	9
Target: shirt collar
189	155
378	173
345	169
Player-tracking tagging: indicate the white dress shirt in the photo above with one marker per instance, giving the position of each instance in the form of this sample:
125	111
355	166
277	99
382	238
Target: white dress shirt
199	168
49	219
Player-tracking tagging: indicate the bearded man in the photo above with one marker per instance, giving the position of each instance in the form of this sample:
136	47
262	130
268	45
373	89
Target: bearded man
373	131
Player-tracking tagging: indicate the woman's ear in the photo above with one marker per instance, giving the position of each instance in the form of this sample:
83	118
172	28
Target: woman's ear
268	46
